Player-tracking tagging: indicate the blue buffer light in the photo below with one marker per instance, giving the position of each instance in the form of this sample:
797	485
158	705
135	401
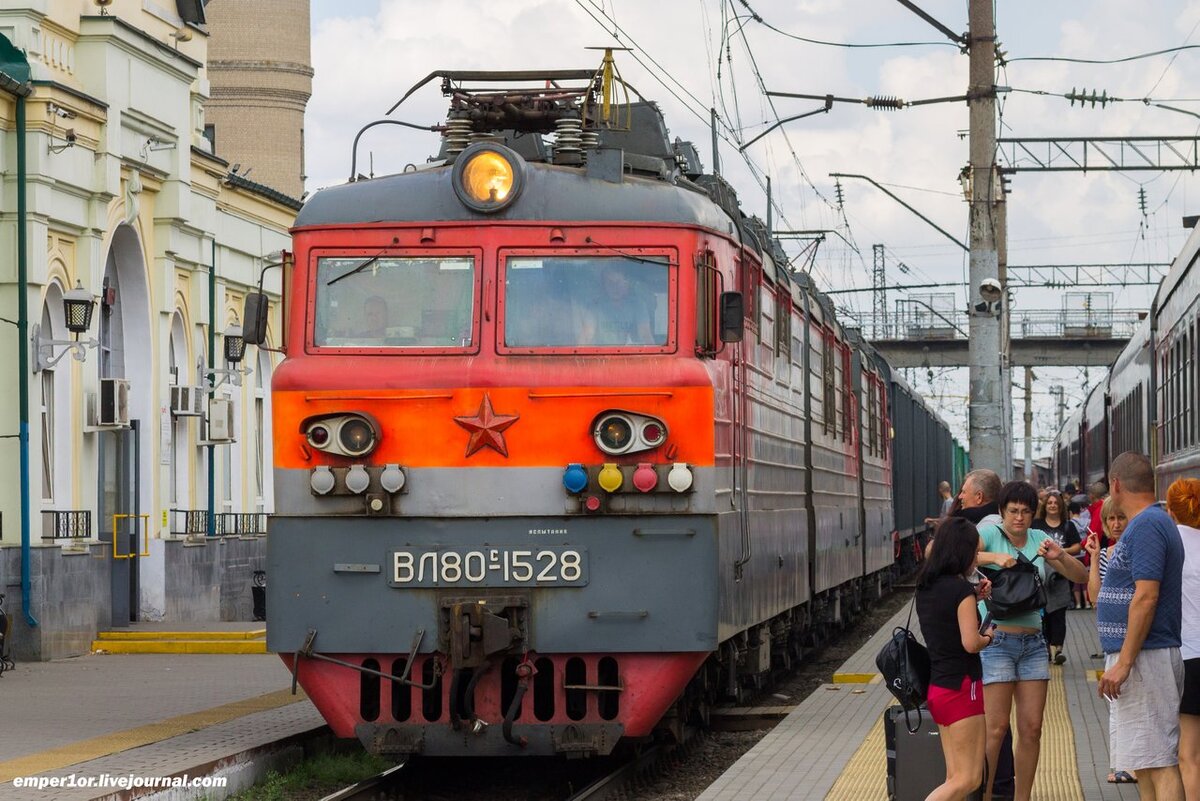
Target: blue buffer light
575	478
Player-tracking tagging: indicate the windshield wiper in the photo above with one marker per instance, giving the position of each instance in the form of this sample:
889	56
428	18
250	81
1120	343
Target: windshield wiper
355	269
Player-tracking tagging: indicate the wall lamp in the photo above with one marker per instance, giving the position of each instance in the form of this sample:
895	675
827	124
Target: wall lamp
235	351
78	305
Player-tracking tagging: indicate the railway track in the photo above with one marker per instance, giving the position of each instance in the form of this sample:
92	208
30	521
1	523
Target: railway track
379	787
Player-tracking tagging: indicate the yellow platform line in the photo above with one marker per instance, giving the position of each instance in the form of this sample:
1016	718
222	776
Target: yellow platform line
865	775
857	678
180	646
106	744
249	634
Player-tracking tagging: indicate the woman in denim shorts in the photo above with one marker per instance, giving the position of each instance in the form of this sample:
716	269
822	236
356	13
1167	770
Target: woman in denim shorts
1015	668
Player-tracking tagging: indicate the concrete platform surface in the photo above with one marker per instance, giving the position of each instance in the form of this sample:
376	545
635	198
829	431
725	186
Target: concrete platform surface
148	717
831	746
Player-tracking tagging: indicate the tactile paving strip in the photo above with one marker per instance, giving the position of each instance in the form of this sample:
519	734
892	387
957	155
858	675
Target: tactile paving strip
865	775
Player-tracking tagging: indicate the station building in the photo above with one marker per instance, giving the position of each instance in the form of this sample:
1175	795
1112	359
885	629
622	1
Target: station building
147	478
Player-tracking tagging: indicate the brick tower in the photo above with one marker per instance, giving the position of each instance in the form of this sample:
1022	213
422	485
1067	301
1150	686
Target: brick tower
260	75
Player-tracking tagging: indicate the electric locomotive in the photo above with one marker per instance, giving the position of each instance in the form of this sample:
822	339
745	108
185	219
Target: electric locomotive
563	449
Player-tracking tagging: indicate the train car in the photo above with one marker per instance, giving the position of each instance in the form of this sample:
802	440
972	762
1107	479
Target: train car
563	449
1129	395
923	455
1176	332
1095	433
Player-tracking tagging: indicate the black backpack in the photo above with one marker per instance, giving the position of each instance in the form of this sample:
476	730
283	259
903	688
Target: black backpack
904	663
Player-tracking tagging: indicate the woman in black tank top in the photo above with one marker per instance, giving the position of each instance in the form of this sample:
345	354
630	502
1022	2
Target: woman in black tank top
946	607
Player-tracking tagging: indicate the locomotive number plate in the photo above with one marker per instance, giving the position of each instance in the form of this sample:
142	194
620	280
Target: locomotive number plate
551	566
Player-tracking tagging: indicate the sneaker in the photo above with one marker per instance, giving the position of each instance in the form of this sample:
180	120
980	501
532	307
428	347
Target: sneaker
1060	658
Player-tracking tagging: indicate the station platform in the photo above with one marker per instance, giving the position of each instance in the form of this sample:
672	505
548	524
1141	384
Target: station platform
147	715
831	746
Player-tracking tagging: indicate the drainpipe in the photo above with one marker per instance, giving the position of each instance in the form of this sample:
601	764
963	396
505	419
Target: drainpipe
212	349
20	90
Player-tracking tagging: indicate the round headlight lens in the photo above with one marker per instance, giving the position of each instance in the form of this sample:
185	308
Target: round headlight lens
488	177
614	434
356	436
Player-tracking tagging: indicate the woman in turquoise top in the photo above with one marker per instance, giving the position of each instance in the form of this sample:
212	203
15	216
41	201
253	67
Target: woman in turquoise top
1016	668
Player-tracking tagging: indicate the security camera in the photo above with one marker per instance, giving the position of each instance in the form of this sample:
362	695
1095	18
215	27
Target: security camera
990	290
70	136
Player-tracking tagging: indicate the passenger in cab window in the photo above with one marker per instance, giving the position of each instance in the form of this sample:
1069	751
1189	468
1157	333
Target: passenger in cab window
1183	504
622	315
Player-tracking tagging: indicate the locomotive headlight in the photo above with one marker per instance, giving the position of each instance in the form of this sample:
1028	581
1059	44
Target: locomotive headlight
342	434
487	177
619	432
356	436
614	434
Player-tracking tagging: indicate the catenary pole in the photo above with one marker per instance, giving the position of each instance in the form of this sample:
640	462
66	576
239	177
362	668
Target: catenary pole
1029	424
988	434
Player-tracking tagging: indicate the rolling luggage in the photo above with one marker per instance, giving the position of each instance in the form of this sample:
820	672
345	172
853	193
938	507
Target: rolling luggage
915	763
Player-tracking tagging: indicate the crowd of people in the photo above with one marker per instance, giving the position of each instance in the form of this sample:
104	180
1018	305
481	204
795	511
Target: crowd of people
1117	549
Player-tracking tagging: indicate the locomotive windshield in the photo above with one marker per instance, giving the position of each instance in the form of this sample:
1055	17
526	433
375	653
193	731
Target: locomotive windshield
599	302
362	302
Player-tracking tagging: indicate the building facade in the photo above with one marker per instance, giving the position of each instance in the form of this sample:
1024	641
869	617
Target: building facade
148	476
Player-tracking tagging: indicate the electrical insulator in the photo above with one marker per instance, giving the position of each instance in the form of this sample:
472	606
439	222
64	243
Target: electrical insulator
886	102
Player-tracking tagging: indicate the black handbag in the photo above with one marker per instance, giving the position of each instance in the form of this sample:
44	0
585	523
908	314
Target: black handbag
904	663
1017	589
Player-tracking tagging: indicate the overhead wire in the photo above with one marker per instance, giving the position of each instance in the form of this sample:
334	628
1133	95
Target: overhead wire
1072	60
853	45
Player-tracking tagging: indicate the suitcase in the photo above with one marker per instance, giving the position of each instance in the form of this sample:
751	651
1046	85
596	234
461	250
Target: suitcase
915	763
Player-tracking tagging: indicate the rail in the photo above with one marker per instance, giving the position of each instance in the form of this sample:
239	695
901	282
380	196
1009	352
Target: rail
369	789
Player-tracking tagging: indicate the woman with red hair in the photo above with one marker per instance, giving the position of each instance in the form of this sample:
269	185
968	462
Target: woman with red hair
1183	504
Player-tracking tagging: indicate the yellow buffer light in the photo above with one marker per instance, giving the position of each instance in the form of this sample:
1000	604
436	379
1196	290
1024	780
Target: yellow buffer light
488	177
610	478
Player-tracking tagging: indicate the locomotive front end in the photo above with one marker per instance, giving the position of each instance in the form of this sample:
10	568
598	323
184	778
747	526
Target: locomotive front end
495	473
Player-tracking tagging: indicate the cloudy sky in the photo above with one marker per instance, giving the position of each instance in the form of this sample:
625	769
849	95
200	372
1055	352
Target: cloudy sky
690	55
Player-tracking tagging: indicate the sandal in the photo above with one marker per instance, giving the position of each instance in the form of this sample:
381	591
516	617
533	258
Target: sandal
1121	777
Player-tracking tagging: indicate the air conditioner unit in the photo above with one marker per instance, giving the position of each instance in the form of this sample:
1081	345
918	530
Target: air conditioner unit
187	401
220	420
109	408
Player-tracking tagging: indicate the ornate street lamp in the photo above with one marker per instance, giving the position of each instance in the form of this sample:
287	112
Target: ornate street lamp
78	305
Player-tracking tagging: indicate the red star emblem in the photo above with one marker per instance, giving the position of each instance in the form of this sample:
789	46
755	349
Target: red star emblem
487	428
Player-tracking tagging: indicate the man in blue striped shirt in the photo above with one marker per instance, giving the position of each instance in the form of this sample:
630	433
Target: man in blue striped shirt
1138	616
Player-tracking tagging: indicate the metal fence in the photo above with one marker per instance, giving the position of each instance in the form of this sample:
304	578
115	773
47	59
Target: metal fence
924	321
64	524
189	522
194	522
241	523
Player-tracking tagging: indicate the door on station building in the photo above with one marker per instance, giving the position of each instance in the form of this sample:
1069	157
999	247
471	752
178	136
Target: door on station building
120	520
